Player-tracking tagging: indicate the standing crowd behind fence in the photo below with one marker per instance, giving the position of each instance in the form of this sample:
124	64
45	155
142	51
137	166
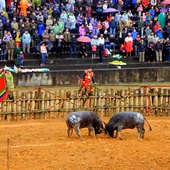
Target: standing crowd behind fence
139	26
44	104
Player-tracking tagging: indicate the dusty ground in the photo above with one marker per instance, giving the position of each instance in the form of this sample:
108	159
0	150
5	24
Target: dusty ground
44	145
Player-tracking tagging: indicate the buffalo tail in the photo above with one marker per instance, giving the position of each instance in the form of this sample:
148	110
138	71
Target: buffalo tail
150	128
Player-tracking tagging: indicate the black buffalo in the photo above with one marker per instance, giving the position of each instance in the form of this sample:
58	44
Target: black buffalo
84	119
126	120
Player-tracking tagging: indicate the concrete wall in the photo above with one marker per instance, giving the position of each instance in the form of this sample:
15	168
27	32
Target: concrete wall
113	76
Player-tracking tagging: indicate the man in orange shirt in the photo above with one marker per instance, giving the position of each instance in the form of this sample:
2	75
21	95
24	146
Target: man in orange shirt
88	76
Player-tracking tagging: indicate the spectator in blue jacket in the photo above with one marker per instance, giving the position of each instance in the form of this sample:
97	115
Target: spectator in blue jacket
112	26
26	40
159	33
134	34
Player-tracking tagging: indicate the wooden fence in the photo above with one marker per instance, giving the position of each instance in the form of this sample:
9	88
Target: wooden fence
40	103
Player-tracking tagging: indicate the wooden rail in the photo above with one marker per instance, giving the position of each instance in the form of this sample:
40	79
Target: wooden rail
42	103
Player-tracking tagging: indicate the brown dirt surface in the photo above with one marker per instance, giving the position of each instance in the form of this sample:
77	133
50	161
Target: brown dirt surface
44	145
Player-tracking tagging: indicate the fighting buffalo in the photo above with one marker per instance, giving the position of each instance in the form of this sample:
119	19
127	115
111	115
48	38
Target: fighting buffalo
83	119
126	120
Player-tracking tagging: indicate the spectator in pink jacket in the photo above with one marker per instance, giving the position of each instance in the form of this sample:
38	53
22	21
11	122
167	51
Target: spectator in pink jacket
82	30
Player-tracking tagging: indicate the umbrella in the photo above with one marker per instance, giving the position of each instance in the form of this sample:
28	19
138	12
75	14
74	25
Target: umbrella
48	43
84	39
165	2
110	10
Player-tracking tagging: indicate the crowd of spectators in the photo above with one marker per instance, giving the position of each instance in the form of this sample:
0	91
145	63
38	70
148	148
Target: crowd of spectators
139	28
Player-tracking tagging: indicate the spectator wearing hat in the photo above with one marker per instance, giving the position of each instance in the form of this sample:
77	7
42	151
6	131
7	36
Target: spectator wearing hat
15	24
105	5
94	40
128	44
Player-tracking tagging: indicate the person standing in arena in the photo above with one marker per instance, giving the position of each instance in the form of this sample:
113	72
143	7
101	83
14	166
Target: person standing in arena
85	82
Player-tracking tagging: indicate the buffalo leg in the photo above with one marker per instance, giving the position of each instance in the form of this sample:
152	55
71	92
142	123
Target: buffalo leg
91	129
118	132
141	131
77	129
69	131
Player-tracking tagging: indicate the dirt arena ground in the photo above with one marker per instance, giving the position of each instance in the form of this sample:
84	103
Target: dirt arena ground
44	145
